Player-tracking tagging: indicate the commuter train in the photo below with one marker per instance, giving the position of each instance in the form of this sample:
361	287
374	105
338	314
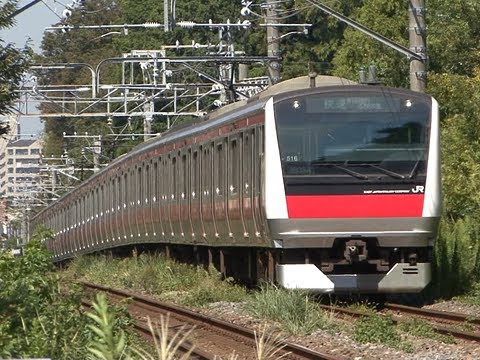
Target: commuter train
316	183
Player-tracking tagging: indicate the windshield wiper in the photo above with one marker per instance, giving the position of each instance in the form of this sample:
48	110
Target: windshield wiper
387	172
414	170
344	169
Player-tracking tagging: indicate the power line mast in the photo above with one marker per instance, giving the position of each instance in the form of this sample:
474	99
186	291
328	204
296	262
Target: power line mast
417	39
273	40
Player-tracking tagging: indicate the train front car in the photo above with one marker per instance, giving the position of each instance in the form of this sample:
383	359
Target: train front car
352	188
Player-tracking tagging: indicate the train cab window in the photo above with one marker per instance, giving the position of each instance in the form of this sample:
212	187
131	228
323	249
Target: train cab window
380	133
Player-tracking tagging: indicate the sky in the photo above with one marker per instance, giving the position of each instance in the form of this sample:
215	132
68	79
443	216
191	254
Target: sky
31	25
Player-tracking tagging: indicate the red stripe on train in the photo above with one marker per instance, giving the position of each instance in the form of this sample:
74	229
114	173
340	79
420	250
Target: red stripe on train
355	206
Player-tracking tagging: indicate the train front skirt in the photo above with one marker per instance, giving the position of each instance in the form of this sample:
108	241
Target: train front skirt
403	277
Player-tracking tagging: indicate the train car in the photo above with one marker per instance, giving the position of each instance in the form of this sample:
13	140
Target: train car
319	184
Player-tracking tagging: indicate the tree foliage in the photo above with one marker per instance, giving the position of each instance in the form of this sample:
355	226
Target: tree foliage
13	63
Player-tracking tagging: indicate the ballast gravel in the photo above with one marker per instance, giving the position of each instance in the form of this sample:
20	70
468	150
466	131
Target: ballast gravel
340	342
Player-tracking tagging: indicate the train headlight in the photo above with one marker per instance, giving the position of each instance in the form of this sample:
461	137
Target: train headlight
296	104
408	103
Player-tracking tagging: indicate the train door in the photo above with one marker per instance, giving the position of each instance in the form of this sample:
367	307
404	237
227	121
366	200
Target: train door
220	190
206	181
139	205
158	214
247	183
145	201
257	185
125	206
108	213
234	191
116	203
150	204
97	211
195	195
165	198
184	198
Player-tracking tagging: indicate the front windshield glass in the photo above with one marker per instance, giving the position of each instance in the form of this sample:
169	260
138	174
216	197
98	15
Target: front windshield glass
354	134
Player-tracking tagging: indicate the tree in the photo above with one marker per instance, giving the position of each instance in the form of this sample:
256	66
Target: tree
13	63
390	19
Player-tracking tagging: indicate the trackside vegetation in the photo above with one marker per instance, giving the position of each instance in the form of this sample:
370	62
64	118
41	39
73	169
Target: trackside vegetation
163	278
39	318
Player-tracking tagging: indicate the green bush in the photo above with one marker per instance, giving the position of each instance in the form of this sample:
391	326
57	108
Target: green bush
37	317
456	262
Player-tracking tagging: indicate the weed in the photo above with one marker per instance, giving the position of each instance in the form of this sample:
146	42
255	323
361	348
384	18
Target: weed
268	345
420	328
379	329
109	342
165	348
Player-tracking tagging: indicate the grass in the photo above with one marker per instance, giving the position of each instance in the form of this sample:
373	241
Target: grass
422	329
380	330
295	310
160	277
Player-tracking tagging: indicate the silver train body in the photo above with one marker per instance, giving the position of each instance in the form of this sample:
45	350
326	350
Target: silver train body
341	182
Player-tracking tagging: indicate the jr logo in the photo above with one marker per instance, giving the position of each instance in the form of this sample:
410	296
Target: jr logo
418	189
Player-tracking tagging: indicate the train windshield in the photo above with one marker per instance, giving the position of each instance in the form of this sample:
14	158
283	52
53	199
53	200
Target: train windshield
356	134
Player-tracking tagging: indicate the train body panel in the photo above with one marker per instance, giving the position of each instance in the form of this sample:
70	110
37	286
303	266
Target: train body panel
340	183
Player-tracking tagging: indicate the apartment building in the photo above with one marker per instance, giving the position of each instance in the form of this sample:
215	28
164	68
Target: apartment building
19	168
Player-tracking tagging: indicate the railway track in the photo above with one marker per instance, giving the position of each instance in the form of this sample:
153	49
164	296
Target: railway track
443	322
210	338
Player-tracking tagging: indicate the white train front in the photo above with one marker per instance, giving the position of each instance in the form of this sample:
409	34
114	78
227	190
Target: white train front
332	188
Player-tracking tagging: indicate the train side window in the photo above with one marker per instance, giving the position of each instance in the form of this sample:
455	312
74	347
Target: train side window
174	178
219	167
154	190
139	185
234	163
125	190
247	162
195	172
207	167
148	182
184	177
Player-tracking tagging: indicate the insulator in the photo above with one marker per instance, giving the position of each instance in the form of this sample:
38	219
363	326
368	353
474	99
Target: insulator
186	24
151	25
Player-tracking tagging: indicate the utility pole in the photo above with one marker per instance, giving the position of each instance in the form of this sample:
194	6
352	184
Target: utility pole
165	16
417	38
273	40
147	119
